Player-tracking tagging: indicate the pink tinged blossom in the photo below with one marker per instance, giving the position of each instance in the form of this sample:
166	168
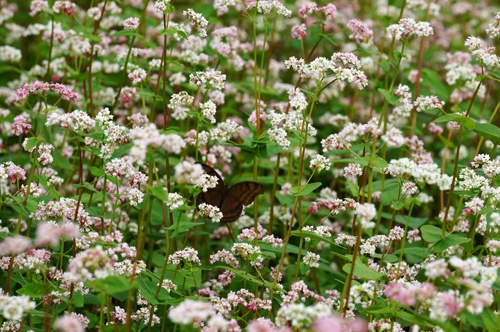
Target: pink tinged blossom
329	10
131	23
20	125
45	235
299	31
397	292
393	137
9	169
413	236
225	257
49	233
65	6
253	117
407	27
137	76
352	171
450	304
69	323
396	234
14	245
42	88
261	325
361	31
409	188
93	263
38	6
328	324
307	9
437	268
191	312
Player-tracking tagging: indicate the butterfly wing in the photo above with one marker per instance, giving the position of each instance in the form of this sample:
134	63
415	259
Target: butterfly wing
246	191
231	209
212	196
240	194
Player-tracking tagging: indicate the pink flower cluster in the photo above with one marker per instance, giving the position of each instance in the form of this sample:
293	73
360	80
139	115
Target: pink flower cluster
43	88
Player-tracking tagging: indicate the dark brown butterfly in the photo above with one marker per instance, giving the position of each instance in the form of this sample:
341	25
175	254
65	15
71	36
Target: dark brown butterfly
229	200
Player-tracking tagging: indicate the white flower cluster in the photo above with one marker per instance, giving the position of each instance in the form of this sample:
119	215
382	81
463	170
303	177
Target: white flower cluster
208	110
93	263
9	53
366	212
320	163
407	27
187	255
190	311
266	6
197	20
351	131
344	66
493	29
210	78
298	316
311	259
422	173
210	211
174	201
13	307
77	120
224	131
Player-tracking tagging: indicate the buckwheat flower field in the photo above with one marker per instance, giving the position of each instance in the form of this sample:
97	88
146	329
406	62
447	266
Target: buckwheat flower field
249	165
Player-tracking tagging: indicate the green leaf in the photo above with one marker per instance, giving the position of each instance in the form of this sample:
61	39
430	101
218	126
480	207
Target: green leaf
361	161
490	320
91	299
305	190
389	258
96	171
354	188
417	251
77	300
488	131
390	97
85	185
158	191
385	65
127	33
148	290
32	142
156	212
389	195
172	31
433	80
182	227
112	284
92	37
449	241
467	122
33	290
376	309
362	271
431	233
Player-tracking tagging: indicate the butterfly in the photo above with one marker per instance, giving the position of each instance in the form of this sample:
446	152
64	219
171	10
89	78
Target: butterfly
229	200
